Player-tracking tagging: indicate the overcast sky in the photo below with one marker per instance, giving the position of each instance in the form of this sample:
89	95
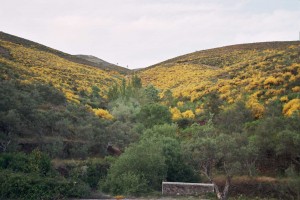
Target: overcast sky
139	33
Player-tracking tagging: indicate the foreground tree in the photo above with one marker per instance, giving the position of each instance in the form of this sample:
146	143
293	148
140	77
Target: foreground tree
212	152
139	169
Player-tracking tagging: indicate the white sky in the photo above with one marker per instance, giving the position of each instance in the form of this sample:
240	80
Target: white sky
139	33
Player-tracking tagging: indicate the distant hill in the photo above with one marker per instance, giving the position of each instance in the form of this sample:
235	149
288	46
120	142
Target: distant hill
103	63
77	59
258	73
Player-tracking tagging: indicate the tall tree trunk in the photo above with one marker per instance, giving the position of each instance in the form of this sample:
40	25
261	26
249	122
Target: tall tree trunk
222	195
226	188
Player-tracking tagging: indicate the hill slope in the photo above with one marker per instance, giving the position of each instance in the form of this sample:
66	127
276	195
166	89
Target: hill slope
52	100
73	58
258	72
25	61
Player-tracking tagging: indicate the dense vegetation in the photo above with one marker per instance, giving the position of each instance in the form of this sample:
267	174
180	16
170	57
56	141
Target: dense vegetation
229	116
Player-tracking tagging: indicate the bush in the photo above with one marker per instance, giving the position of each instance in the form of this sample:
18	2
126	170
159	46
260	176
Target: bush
36	162
154	114
39	162
128	184
31	186
31	177
96	170
142	162
17	162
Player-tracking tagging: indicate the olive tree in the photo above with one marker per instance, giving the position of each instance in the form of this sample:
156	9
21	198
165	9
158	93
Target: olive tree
218	152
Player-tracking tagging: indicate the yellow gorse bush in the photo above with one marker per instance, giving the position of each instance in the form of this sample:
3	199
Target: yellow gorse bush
176	114
291	107
103	114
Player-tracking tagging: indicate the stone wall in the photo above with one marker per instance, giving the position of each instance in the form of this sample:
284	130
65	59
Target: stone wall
178	188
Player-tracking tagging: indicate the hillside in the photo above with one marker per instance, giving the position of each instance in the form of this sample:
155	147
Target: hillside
258	73
73	58
31	62
51	100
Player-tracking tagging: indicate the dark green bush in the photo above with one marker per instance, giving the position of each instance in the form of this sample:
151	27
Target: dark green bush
17	162
96	170
144	166
154	114
128	183
35	162
31	186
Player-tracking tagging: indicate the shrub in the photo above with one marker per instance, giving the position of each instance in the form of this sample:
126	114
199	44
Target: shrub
36	162
96	170
144	163
128	183
154	114
39	162
31	186
17	162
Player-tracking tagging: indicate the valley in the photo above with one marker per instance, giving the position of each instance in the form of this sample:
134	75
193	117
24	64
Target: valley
227	116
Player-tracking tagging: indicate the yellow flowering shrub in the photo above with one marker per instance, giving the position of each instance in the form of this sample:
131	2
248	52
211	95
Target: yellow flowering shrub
256	108
199	111
188	114
103	114
296	89
291	107
180	103
284	99
176	114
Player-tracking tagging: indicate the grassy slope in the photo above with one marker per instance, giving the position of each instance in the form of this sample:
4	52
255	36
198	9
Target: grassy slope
259	72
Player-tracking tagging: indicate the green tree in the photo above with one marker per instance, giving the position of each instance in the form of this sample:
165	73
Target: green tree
123	88
213	103
125	110
233	119
168	98
113	92
144	165
136	82
218	152
154	114
151	94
